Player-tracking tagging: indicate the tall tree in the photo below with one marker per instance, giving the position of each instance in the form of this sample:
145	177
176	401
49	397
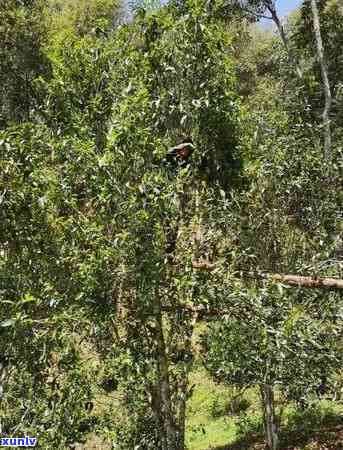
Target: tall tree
325	79
258	9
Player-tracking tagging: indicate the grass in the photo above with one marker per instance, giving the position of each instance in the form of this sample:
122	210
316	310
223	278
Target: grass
209	423
211	434
211	426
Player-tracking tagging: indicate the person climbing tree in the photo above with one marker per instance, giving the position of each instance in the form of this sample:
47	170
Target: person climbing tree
177	157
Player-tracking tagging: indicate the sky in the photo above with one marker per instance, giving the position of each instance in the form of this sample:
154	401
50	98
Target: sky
284	7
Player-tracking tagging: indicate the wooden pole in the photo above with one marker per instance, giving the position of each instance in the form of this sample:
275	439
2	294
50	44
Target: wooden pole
290	280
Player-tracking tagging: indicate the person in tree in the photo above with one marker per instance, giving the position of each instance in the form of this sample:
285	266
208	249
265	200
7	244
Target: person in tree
177	157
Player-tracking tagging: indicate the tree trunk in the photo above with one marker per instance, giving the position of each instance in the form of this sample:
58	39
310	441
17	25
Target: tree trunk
169	428
183	392
155	402
270	5
3	374
325	80
182	411
270	419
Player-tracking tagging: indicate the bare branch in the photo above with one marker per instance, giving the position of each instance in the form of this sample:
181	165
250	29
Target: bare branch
290	280
258	15
271	8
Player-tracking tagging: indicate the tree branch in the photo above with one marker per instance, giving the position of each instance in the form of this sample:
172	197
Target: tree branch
258	15
290	280
271	8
